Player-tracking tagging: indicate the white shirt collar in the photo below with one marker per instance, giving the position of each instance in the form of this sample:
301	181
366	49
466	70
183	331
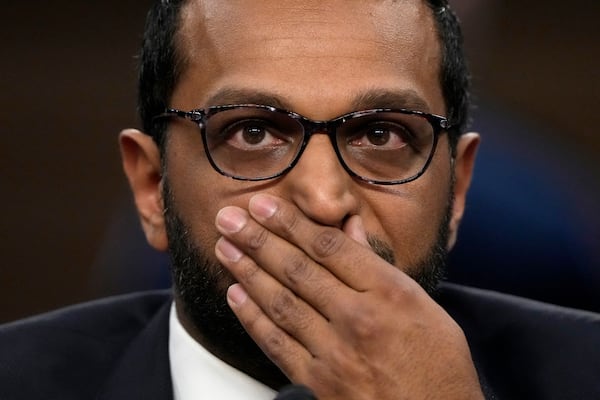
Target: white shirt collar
198	374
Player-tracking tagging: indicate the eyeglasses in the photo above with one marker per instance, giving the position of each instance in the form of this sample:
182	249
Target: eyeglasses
258	142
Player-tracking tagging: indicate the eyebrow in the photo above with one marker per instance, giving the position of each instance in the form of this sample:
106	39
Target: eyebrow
386	98
228	96
365	100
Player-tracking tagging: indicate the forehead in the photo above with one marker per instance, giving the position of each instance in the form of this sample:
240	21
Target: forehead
316	56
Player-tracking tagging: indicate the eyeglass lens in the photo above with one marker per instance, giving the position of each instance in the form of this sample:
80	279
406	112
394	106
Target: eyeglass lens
254	143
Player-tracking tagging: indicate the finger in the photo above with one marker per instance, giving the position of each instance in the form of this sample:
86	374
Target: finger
281	260
354	228
281	348
354	264
286	310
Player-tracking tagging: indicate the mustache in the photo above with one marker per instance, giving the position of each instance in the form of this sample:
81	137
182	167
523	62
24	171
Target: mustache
381	248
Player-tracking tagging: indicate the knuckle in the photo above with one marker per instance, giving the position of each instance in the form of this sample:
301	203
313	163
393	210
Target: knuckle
323	295
282	306
274	345
288	222
399	293
249	273
275	340
397	289
258	240
297	270
364	324
327	243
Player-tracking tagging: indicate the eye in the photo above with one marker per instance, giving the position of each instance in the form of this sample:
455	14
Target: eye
381	134
252	134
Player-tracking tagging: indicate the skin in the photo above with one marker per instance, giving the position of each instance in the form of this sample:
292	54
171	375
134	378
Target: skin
337	317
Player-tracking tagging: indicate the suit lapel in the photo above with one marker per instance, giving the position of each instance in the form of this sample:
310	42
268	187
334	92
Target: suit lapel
144	369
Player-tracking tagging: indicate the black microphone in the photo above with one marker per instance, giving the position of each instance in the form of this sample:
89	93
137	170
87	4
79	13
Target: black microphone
296	392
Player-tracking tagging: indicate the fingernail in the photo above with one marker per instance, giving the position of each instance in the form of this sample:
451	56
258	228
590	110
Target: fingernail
355	228
236	294
262	206
231	219
228	250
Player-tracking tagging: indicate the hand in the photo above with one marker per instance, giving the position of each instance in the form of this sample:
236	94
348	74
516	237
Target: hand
333	315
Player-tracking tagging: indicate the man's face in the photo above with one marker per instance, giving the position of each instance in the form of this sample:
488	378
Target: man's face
319	59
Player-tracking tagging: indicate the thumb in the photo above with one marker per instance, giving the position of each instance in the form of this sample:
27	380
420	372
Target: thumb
354	228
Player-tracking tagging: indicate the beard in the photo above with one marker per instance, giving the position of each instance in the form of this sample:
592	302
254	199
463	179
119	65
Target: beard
200	287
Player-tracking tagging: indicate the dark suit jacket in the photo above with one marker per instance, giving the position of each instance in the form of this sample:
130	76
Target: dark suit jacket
117	348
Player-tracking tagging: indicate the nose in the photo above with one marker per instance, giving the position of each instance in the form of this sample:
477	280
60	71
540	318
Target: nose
320	186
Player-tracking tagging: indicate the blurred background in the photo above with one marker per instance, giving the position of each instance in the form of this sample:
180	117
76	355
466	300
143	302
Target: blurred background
69	232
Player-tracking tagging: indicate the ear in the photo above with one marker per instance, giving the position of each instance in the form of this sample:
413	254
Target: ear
464	162
141	162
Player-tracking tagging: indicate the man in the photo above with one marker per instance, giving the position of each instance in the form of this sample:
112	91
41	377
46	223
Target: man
305	165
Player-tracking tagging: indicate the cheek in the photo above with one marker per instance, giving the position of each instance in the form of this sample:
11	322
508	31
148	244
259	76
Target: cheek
199	192
411	217
198	207
413	228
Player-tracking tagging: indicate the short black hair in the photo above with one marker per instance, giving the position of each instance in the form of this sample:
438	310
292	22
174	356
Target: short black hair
455	78
161	66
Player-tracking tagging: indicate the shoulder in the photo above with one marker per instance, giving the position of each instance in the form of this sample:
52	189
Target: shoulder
102	320
526	348
483	307
78	344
